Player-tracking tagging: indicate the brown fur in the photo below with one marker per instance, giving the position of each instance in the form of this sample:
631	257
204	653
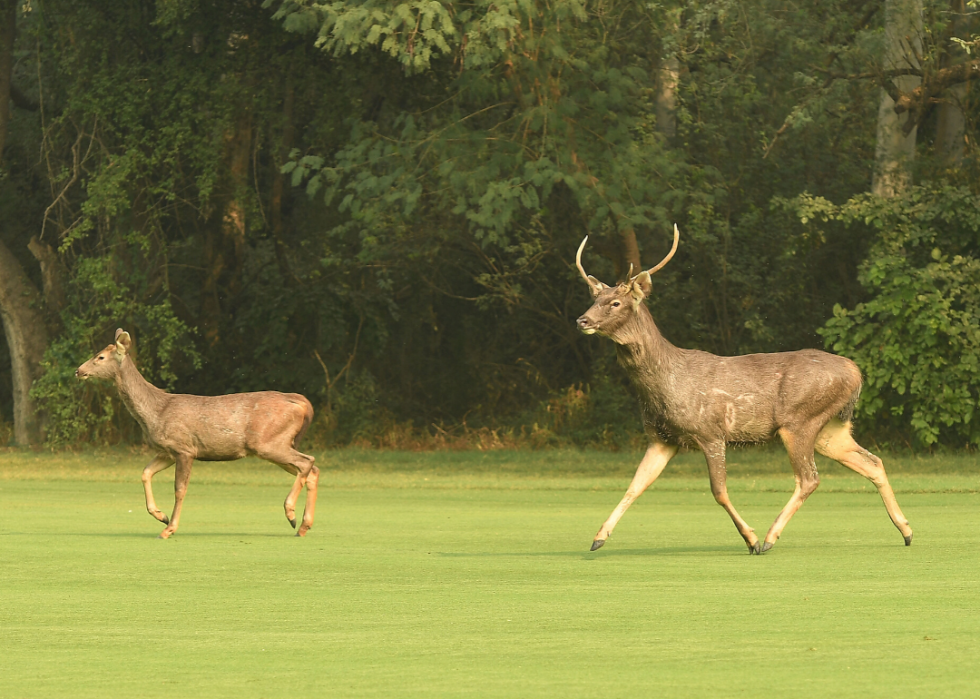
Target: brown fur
690	397
182	428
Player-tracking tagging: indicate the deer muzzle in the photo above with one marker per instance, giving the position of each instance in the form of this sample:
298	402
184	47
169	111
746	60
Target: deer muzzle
586	325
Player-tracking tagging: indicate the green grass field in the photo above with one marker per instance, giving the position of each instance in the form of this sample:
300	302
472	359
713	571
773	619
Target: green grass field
468	574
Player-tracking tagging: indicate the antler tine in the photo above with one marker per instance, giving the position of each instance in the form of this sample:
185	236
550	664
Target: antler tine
578	263
673	249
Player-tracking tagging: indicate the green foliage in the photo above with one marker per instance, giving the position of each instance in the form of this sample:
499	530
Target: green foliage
917	337
601	414
447	159
544	99
412	32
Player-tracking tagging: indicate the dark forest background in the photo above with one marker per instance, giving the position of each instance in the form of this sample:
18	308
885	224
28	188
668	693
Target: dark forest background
377	204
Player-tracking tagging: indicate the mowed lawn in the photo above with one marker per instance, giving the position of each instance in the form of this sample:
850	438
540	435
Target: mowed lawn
468	574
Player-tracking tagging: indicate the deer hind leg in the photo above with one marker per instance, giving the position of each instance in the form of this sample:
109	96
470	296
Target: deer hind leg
307	474
835	442
800	448
714	454
158	464
652	465
310	509
181	479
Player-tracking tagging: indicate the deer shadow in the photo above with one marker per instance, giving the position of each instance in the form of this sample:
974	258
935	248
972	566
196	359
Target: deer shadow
593	555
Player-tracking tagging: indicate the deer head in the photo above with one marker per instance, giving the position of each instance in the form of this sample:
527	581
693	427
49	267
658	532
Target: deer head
106	364
614	306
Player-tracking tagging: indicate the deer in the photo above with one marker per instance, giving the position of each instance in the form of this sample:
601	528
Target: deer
182	428
690	398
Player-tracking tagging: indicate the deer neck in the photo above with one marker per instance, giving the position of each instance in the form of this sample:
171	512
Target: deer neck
645	354
144	400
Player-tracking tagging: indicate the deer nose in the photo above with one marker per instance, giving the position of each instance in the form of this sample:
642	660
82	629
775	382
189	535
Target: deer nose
583	322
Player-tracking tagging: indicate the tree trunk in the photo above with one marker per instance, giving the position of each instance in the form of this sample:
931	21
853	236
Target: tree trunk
53	276
8	19
224	247
629	252
951	126
233	225
20	302
895	149
670	71
950	119
279	184
27	339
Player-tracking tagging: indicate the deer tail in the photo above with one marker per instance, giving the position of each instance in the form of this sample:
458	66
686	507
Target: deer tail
846	413
307	419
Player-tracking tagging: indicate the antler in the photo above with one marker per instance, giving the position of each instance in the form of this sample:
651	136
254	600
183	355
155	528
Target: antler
593	283
673	249
598	286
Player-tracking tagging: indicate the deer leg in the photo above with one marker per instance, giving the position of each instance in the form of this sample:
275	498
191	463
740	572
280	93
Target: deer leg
181	478
835	442
652	465
714	454
308	511
301	465
800	450
158	464
290	504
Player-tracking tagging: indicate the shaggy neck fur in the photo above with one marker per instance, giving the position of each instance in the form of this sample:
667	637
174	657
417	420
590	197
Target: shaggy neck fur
649	360
640	346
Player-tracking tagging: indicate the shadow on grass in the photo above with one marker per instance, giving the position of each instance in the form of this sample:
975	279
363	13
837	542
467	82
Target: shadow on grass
148	535
596	555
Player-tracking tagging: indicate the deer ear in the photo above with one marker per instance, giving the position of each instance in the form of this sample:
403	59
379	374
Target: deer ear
123	342
640	286
595	286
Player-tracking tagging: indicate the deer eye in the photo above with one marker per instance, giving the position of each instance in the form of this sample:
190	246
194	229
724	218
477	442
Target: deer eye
101	356
616	304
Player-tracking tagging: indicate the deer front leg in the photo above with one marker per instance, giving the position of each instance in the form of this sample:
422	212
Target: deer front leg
160	463
652	465
181	478
714	454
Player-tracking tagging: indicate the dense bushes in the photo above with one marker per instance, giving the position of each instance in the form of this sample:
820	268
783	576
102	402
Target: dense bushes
388	225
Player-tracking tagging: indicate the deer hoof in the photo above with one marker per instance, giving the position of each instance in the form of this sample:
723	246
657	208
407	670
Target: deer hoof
597	544
766	546
165	520
755	548
908	540
165	534
292	523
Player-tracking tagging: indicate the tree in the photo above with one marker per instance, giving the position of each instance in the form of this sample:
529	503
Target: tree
914	333
900	63
20	302
411	266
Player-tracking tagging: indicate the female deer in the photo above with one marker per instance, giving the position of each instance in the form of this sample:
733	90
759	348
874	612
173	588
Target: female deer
182	428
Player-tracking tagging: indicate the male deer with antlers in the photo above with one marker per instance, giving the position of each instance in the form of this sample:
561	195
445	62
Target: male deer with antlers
690	397
182	428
